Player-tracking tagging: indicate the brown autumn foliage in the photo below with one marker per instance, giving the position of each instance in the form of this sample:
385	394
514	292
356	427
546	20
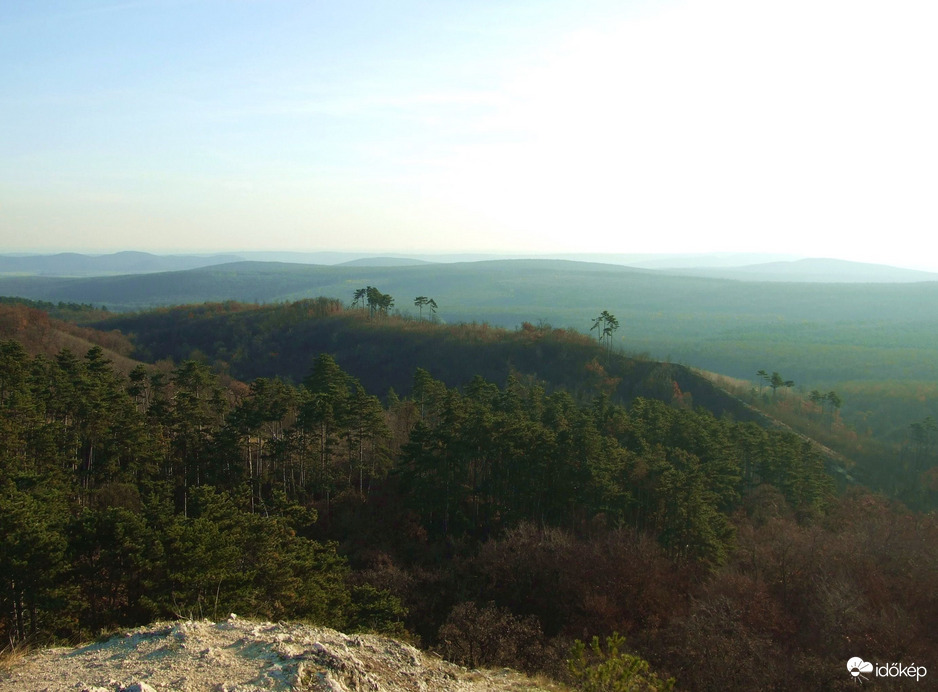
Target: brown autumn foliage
793	603
492	636
39	333
618	580
797	601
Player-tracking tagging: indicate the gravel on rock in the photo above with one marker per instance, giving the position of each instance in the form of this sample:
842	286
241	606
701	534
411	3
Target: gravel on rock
238	655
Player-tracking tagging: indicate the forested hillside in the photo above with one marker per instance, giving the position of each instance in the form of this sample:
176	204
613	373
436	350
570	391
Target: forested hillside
32	325
495	522
248	341
382	351
876	342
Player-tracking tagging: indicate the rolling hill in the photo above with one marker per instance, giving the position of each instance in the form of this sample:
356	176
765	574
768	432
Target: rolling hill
41	334
815	333
75	264
251	341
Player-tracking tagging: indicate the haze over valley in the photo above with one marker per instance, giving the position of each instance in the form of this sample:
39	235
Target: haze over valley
596	340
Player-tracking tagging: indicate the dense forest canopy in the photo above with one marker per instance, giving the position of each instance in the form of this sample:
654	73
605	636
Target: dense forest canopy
519	510
877	444
874	343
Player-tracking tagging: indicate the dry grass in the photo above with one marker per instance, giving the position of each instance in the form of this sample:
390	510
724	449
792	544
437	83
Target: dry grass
542	682
12	654
508	680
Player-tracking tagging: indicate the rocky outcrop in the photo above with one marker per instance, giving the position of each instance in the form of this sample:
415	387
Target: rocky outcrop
241	655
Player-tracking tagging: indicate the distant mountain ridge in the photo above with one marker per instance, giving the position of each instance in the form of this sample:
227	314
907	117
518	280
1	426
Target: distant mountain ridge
735	266
813	270
383	262
129	262
504	292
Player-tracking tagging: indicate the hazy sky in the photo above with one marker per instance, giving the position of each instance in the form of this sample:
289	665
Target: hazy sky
805	126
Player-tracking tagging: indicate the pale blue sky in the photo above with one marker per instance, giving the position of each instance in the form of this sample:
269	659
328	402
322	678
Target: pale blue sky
803	127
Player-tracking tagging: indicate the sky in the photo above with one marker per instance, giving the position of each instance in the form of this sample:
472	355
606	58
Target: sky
805	127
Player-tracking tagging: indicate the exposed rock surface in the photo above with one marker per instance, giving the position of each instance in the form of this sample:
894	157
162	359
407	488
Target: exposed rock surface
241	655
